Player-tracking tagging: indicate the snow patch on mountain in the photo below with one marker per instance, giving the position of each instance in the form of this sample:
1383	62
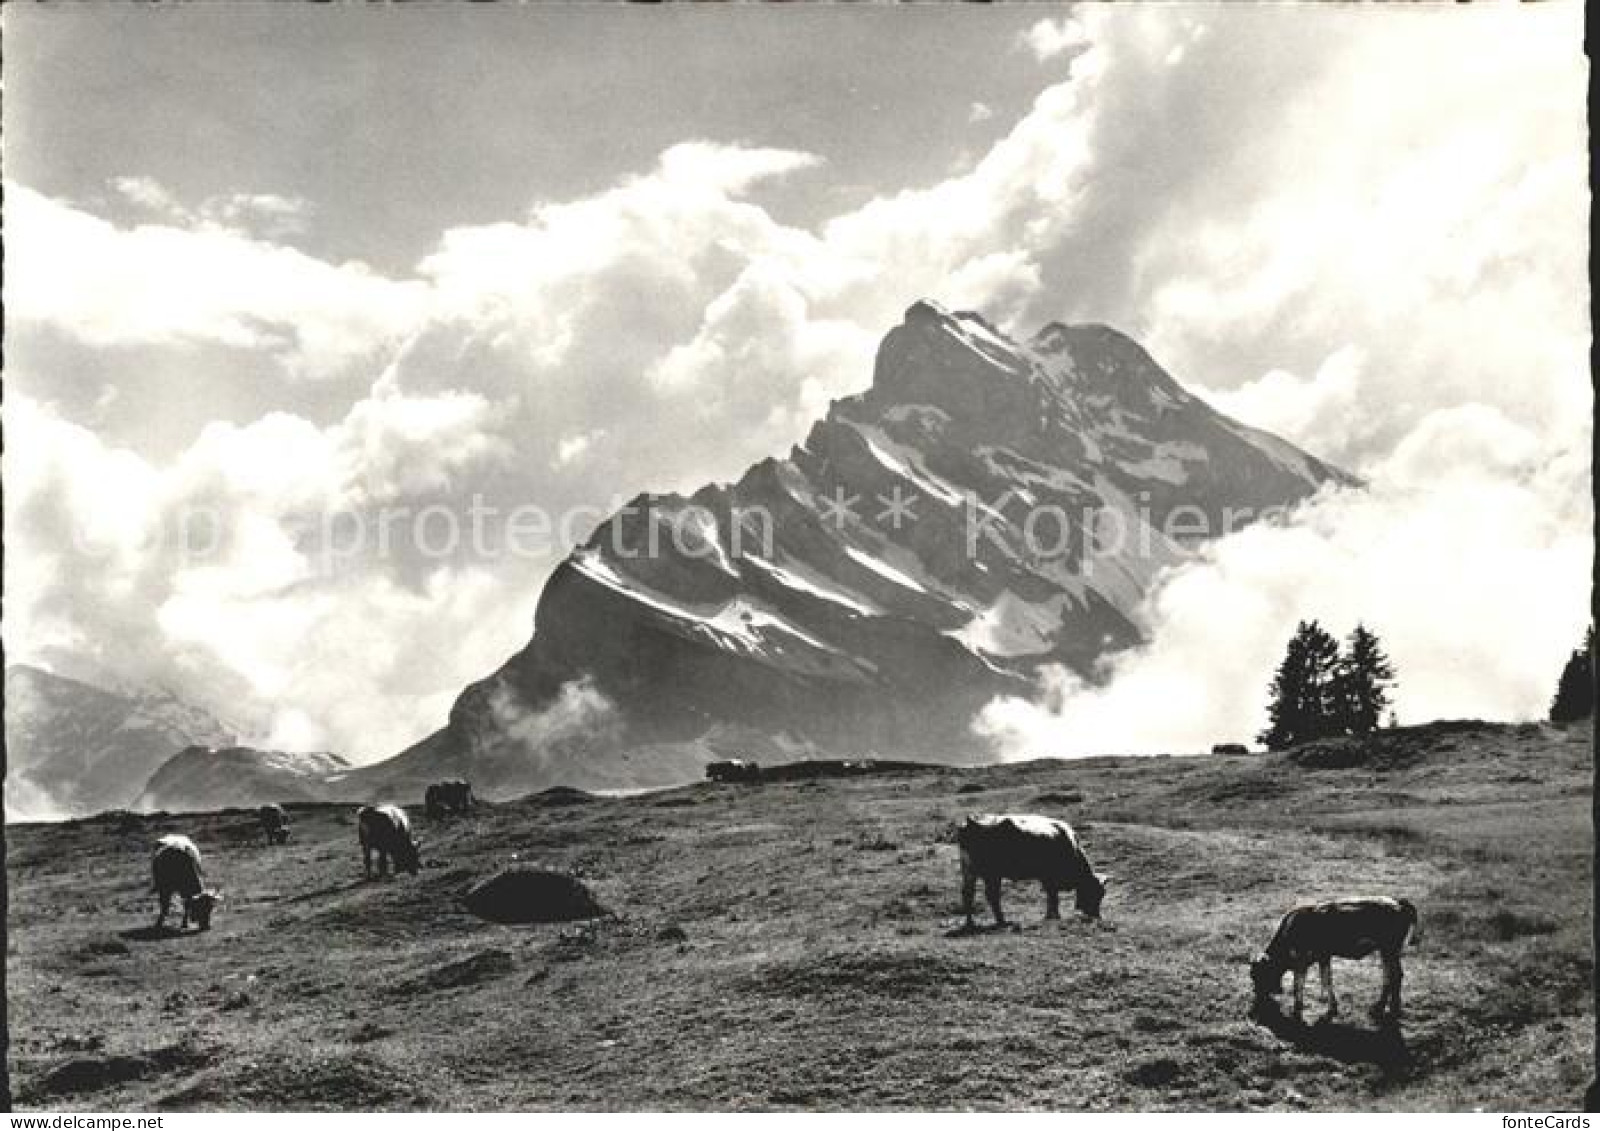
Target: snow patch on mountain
908	465
751	622
1013	626
883	569
744	623
804	580
1166	463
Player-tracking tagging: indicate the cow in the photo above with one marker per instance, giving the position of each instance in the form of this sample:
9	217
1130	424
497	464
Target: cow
733	769
274	823
386	830
448	797
1020	847
1229	749
175	870
1339	928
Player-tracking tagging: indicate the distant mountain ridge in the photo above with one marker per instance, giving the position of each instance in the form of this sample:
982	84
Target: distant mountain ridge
200	778
73	748
857	626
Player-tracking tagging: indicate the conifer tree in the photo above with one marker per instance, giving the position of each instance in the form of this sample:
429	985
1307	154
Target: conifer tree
1575	691
1362	680
1302	706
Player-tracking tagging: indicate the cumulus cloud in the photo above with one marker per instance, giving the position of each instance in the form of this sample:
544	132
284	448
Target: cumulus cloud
1469	555
208	575
1397	288
168	284
1049	38
579	716
1308	208
1321	412
1391	282
269	215
570	449
149	194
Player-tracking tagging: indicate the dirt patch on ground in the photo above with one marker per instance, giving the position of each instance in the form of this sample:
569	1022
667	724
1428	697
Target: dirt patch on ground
475	969
330	1082
83	1075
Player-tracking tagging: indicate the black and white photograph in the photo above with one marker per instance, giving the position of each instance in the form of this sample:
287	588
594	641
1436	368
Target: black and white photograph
815	557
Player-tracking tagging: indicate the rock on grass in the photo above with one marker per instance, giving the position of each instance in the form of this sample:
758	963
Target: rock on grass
531	895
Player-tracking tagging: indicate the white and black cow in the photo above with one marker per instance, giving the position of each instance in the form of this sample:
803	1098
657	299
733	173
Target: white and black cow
1339	928
1020	847
175	870
386	830
274	821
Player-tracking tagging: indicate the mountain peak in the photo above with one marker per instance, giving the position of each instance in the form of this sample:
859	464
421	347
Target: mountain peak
957	361
925	310
962	363
966	328
856	622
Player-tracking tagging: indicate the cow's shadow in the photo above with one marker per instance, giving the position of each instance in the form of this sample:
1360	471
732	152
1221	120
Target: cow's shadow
152	933
965	930
972	930
331	889
1383	1045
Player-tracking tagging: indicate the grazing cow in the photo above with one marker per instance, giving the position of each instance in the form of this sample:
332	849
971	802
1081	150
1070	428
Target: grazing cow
1339	928
1000	848
448	797
386	830
175	871
274	823
733	769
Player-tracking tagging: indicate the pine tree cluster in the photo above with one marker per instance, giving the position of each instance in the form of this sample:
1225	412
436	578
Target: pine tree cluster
1321	691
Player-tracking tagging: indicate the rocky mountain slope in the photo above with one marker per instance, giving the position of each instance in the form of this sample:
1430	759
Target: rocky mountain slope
986	507
200	777
72	748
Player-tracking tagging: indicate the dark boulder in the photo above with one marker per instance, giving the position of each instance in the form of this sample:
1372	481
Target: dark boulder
531	895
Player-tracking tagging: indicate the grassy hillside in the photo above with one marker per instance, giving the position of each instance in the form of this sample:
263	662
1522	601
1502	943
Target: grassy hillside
786	945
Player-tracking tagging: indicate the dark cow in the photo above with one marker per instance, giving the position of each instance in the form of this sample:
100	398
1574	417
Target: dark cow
274	823
386	830
1226	749
1017	847
448	797
1339	928
733	769
175	871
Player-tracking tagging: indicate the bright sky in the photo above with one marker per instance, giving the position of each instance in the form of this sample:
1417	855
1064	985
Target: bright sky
400	124
278	262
